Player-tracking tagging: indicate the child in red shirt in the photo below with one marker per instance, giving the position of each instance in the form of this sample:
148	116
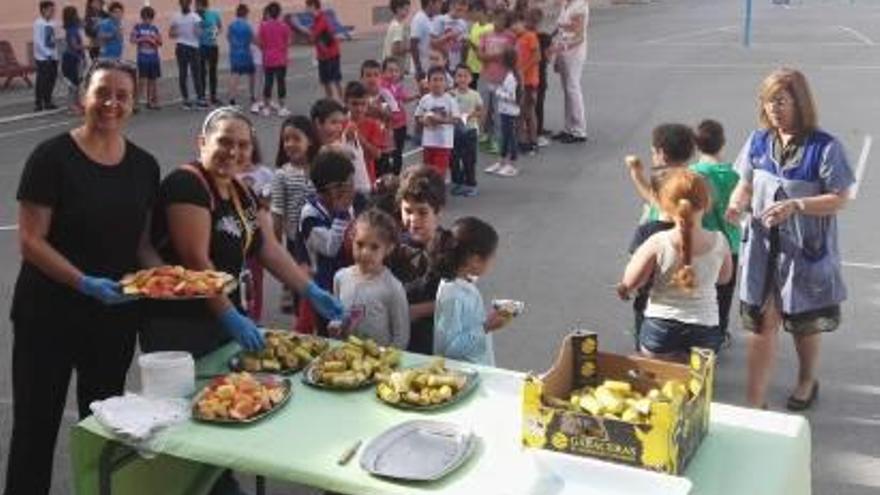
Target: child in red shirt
370	131
327	51
381	105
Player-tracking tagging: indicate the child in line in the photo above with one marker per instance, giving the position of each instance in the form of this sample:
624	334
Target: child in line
685	264
437	112
258	177
396	42
528	49
73	57
146	36
381	104
370	287
327	51
209	52
185	29
110	32
480	26
325	219
363	137
464	155
709	140
507	96
393	83
493	46
274	38
450	31
45	57
240	36
438	58
291	187
672	146
463	330
421	198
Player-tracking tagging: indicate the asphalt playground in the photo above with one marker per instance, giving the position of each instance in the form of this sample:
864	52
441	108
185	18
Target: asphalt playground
566	221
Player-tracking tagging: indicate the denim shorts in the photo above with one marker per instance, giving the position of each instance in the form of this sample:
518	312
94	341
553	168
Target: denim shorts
674	337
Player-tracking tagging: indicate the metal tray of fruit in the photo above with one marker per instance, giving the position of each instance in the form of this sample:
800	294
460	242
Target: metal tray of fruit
266	380
471	380
309	377
281	356
418	451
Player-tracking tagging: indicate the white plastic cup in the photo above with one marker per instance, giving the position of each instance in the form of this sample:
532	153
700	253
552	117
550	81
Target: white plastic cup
168	375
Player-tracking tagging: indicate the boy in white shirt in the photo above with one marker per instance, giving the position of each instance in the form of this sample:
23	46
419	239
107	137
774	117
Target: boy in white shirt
437	112
45	56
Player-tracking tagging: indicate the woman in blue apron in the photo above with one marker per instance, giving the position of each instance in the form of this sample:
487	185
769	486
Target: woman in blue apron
794	180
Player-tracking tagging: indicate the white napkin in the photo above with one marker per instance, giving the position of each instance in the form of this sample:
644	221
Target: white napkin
135	418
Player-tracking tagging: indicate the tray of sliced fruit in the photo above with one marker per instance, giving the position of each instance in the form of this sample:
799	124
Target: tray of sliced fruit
426	388
241	398
285	353
177	282
353	365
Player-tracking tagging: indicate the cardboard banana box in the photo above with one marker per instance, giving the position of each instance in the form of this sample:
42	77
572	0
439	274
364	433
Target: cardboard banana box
651	414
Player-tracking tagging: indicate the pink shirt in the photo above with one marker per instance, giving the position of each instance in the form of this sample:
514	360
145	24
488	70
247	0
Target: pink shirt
398	119
274	37
495	44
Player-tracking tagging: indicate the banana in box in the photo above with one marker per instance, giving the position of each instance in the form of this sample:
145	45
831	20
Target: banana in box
630	410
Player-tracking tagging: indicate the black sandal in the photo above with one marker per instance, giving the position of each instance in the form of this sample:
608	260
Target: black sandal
795	404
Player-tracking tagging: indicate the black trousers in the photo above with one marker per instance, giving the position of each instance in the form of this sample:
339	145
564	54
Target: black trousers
397	153
545	41
208	56
464	157
725	298
96	342
47	73
276	74
189	61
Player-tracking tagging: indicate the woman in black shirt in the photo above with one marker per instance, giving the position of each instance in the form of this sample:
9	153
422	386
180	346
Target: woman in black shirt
207	219
84	206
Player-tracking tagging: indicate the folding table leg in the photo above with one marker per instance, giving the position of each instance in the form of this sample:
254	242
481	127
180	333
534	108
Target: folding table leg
261	485
114	456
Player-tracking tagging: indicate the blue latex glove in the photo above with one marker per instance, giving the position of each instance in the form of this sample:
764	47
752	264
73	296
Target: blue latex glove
103	289
324	302
242	329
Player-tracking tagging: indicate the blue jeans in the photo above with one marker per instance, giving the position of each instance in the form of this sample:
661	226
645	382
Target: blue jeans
661	336
464	157
509	144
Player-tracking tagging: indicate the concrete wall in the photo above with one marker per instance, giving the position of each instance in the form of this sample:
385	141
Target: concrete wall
18	17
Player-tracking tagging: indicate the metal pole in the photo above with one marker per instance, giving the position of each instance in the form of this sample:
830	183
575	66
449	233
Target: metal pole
747	29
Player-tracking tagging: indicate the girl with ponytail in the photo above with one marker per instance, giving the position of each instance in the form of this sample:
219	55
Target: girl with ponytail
685	263
461	327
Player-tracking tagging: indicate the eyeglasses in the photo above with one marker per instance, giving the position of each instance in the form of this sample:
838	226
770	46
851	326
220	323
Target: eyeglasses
779	100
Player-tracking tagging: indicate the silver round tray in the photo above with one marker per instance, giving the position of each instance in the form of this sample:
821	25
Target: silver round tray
419	450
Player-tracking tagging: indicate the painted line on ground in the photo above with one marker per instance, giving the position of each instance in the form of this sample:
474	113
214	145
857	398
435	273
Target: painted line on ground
30	115
858	35
867	266
36	128
688	34
7	228
861	166
412	152
661	65
769	44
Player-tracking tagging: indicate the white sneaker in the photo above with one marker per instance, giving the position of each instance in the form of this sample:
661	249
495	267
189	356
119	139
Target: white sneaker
275	106
494	168
266	111
284	112
542	142
508	170
256	107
